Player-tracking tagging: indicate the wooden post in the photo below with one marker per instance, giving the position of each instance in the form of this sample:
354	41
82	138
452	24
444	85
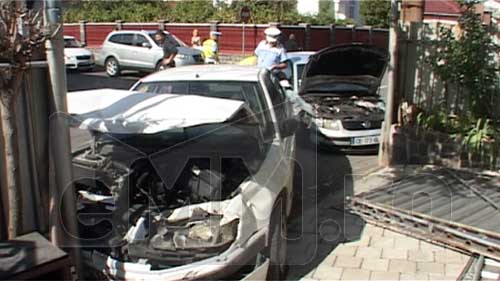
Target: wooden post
385	150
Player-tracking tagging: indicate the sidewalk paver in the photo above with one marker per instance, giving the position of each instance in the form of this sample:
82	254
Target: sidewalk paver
382	254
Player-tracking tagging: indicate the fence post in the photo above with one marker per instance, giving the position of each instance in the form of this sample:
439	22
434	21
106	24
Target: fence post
119	24
83	32
353	33
307	36
332	34
370	35
214	25
161	24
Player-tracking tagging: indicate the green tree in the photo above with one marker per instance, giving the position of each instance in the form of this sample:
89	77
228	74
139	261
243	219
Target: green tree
192	11
376	12
465	57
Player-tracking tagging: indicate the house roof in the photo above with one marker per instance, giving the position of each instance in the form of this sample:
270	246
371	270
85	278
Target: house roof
441	7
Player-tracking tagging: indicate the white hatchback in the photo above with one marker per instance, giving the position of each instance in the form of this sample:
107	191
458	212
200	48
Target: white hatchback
76	56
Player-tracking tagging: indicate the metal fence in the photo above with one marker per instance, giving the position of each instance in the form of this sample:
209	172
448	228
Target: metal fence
238	38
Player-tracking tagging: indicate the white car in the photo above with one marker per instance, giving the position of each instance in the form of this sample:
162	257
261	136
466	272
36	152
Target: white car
296	63
341	84
189	175
76	56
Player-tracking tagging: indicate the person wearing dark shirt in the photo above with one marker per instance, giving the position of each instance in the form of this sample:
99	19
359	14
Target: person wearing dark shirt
291	44
169	46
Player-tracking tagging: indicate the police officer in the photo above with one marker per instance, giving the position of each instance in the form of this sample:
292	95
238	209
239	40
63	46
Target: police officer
211	48
270	53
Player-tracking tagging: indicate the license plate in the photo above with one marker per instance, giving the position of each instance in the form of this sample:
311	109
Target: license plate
365	140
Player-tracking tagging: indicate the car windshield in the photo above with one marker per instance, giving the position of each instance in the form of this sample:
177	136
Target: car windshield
249	92
178	41
71	43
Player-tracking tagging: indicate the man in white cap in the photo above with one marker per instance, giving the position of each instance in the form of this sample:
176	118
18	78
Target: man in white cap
270	53
211	48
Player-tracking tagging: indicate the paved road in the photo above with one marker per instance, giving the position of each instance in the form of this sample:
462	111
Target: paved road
318	222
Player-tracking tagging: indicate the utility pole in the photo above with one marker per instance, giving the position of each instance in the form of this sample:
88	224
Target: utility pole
64	230
385	150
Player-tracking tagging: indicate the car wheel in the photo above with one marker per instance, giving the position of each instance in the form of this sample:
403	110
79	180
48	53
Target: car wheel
112	67
277	242
158	66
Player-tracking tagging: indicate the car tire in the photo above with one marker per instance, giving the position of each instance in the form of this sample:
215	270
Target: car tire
112	67
158	66
276	251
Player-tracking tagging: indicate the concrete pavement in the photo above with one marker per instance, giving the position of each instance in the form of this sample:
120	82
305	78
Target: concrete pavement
381	254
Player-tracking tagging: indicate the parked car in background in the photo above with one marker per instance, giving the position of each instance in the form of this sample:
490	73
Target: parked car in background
137	50
194	168
76	56
296	64
341	83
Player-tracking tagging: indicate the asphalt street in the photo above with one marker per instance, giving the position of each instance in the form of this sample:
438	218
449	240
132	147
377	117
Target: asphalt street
324	178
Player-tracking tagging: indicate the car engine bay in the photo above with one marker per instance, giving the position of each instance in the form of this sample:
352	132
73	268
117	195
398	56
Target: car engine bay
128	192
347	107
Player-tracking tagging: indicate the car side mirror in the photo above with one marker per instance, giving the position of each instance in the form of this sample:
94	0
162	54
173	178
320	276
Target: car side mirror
288	127
83	45
146	45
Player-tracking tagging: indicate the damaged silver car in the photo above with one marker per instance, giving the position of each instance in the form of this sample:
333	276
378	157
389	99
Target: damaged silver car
192	185
341	84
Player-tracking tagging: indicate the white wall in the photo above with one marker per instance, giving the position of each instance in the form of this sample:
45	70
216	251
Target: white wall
308	7
343	8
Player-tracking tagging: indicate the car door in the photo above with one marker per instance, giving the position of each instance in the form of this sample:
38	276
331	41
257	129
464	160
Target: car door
283	110
144	56
123	49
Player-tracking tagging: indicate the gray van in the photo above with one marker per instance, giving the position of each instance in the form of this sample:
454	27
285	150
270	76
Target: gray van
137	50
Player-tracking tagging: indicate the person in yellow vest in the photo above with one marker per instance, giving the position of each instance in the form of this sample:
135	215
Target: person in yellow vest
211	48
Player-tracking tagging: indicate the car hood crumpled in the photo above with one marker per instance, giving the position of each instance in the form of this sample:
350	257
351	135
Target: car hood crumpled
128	112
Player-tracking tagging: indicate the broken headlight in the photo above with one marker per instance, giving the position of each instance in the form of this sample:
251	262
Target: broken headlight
197	234
179	244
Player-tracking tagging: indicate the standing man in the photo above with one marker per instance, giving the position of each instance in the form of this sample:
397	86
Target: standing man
211	48
169	46
270	53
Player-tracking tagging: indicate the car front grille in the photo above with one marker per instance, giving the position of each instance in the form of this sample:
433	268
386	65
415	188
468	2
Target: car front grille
362	125
82	57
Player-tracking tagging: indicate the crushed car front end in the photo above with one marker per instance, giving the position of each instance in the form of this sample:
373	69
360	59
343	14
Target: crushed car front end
168	191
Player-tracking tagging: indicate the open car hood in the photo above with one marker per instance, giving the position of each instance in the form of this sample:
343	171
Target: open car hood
128	112
358	64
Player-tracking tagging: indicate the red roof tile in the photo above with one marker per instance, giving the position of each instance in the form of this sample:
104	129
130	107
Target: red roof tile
442	7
